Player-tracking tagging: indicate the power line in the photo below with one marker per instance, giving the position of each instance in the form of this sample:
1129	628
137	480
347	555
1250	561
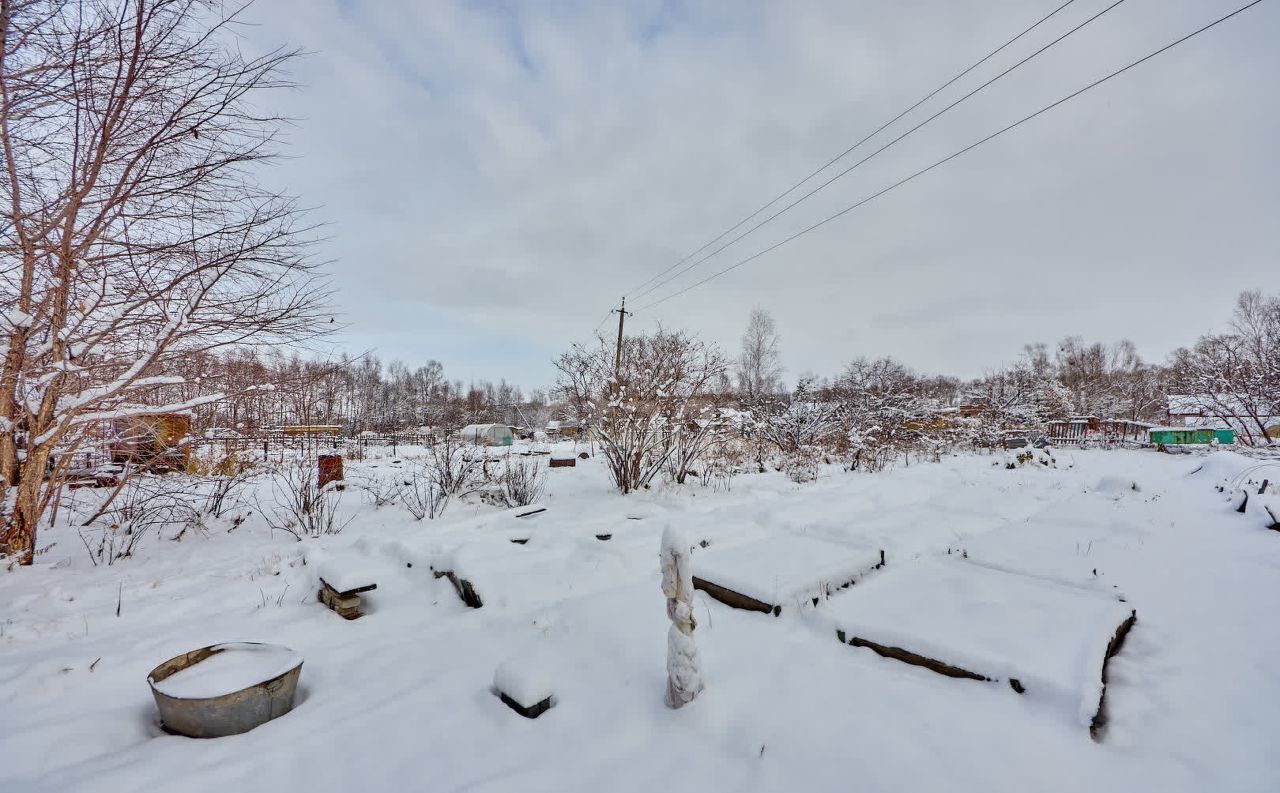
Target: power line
878	151
844	153
605	319
954	155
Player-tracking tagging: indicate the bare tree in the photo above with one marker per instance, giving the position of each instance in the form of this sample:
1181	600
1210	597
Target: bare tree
759	368
1235	377
138	237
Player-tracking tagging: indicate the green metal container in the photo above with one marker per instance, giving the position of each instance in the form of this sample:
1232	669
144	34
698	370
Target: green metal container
1185	436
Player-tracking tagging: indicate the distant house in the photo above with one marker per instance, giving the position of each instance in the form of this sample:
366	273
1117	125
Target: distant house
157	441
486	434
1186	411
1212	411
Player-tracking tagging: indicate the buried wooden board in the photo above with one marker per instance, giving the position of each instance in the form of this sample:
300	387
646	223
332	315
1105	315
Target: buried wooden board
781	571
463	587
1048	639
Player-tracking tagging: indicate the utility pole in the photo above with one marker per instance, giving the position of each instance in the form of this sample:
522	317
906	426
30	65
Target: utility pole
617	353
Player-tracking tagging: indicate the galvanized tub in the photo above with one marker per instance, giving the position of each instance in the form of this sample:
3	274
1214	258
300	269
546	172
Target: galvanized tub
229	713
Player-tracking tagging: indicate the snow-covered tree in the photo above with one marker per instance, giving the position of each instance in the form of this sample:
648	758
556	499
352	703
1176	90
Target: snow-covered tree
133	231
805	419
655	405
684	669
1235	377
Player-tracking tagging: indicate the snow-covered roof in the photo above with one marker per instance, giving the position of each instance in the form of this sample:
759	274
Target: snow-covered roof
471	428
1184	404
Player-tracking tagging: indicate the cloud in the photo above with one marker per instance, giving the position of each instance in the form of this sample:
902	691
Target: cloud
497	174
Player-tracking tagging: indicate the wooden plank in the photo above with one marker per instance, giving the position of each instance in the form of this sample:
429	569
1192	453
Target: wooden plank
463	587
356	591
531	712
735	599
915	659
1113	647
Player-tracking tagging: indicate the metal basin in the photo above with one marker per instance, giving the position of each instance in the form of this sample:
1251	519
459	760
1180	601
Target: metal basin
226	714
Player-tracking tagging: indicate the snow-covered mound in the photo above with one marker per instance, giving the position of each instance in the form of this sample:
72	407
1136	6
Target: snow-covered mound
1221	466
526	679
1050	637
1116	486
784	569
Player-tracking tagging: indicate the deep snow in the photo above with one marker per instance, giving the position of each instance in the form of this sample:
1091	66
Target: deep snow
401	699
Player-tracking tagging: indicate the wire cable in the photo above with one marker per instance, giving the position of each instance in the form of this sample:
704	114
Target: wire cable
888	145
956	154
847	151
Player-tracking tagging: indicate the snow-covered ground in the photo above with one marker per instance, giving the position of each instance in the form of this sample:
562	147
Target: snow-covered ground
403	698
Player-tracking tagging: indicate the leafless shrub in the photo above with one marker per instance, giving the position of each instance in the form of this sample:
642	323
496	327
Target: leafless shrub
521	482
421	493
145	505
299	505
223	481
454	467
380	490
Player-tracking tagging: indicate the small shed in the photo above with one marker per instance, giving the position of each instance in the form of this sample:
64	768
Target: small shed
562	429
154	440
1184	436
486	434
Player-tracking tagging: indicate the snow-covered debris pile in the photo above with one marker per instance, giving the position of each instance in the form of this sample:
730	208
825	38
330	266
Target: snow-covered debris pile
1030	456
1265	511
347	574
525	684
1116	486
1228	470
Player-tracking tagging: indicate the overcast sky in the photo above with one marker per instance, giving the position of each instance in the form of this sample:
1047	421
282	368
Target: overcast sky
497	174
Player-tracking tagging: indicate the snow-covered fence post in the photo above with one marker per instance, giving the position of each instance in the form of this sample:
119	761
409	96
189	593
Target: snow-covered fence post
684	676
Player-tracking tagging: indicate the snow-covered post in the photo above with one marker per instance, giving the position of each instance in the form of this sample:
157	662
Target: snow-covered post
684	676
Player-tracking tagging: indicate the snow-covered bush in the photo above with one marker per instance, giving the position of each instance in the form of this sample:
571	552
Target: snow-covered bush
722	462
802	464
651	410
1030	456
300	506
805	419
521	482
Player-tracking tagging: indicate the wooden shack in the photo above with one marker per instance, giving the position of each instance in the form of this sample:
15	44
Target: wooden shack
156	441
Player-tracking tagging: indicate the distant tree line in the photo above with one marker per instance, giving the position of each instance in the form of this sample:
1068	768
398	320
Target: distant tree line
267	390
